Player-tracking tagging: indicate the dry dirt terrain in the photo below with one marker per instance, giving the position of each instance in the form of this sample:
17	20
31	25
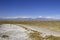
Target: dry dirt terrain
24	32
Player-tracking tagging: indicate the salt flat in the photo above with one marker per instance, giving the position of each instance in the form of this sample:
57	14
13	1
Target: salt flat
14	32
20	32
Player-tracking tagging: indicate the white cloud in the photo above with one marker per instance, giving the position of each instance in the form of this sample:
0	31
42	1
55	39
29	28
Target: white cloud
15	17
40	16
46	17
24	17
49	17
54	17
8	17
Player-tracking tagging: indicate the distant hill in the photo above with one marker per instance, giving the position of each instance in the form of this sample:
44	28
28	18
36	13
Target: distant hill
27	19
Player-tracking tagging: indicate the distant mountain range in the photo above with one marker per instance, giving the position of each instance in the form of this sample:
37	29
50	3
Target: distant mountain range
27	19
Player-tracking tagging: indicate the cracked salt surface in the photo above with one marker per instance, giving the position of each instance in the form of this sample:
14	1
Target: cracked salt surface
14	32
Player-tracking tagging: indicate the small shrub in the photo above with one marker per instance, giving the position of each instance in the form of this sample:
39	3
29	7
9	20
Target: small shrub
4	36
35	35
51	37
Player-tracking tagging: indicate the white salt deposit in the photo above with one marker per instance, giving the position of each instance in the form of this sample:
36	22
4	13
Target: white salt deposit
14	32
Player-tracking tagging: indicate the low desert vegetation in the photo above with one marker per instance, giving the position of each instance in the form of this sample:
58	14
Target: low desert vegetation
34	35
51	37
53	25
4	36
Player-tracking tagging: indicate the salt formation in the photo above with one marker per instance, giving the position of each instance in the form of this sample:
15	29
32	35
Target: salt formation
12	32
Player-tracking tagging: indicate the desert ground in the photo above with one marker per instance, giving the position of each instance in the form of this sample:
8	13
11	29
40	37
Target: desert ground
29	30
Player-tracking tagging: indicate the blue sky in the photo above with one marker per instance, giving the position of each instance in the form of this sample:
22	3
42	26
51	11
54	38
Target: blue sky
30	8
